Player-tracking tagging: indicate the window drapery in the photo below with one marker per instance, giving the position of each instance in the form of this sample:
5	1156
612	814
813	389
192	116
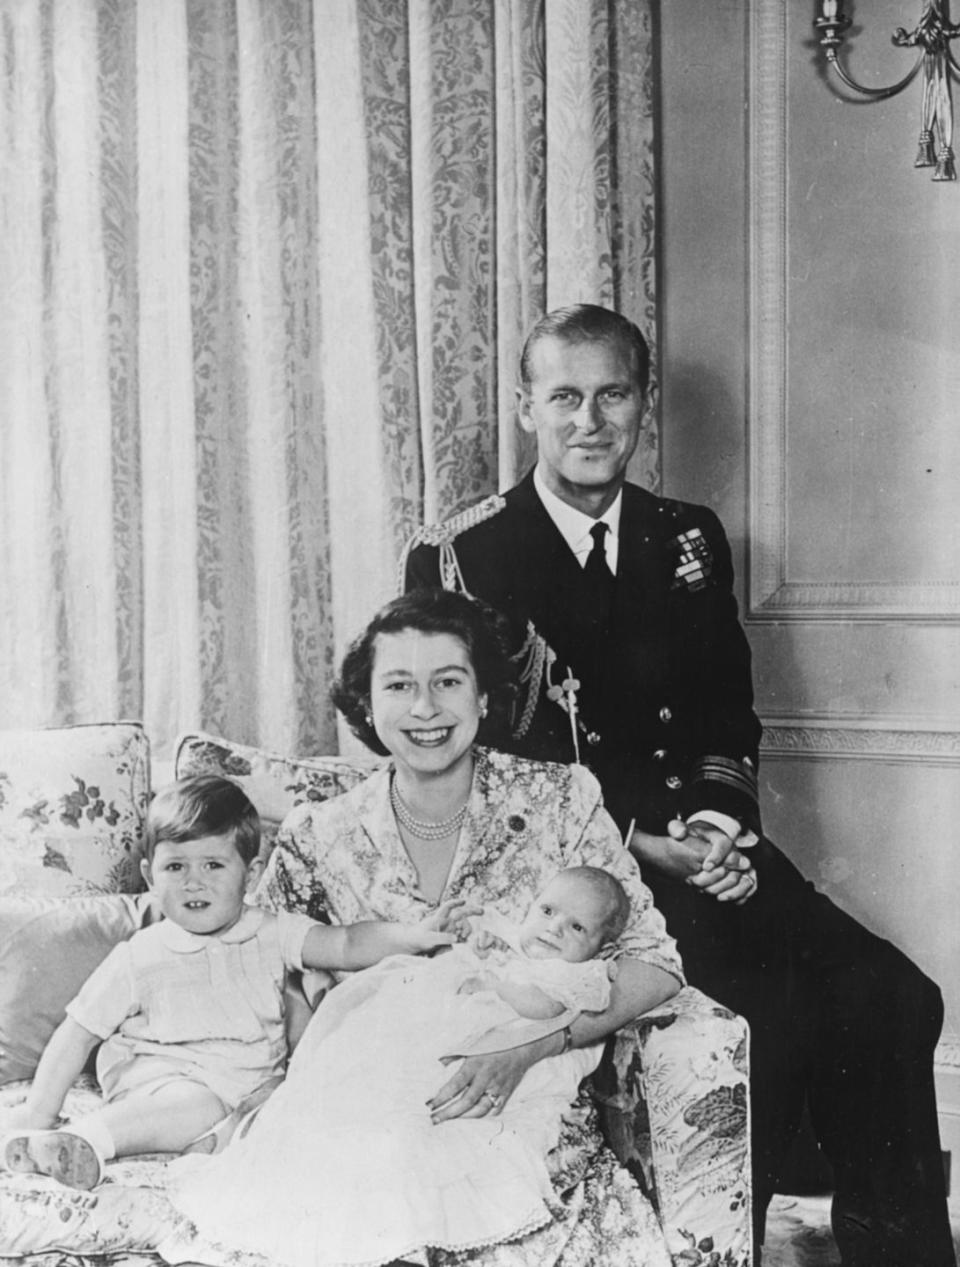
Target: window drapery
265	268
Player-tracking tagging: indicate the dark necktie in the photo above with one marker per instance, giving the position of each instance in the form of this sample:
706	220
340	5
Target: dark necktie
597	572
596	565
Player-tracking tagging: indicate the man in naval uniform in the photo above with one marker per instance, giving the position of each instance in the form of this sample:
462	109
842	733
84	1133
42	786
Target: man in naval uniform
633	661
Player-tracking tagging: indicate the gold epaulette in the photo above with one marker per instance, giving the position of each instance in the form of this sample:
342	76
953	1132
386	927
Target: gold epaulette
442	536
448	529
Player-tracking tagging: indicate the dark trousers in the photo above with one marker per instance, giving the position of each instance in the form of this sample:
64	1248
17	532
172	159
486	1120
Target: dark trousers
840	1020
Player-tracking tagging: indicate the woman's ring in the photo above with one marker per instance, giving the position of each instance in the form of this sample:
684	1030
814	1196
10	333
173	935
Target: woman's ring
495	1100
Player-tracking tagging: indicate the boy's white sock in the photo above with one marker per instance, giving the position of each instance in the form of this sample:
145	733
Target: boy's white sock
95	1132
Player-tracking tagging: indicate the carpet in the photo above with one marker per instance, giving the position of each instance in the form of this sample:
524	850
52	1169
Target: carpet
799	1235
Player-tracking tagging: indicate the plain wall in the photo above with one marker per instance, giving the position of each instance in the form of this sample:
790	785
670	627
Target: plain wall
810	384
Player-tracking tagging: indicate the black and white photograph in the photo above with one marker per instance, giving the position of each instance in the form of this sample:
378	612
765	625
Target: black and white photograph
479	633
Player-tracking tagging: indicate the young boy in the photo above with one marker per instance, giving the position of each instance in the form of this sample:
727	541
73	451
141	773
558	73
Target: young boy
189	1011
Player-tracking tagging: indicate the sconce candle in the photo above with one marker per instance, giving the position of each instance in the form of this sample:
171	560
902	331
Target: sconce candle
931	36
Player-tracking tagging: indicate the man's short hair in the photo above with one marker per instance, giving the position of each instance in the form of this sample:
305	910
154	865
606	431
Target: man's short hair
199	806
587	323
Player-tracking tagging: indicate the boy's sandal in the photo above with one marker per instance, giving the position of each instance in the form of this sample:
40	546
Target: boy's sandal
61	1154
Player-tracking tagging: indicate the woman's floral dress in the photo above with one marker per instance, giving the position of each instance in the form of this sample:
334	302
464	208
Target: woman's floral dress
343	861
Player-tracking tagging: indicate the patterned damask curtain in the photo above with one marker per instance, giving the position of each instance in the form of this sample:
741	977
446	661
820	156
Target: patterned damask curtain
265	266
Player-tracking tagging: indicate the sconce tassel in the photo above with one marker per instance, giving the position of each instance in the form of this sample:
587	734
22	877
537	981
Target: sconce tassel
945	169
931	37
925	154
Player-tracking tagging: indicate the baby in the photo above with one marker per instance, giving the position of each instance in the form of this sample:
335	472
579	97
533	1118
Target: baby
553	962
189	1012
360	1171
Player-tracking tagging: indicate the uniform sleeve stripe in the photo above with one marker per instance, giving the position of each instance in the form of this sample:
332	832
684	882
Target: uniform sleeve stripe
723	770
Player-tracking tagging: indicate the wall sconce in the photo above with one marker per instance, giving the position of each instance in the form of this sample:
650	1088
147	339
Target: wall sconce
932	36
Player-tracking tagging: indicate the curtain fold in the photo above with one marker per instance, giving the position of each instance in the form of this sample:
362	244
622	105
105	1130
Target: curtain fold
265	270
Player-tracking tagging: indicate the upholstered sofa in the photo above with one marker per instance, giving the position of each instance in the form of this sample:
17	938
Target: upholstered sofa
671	1090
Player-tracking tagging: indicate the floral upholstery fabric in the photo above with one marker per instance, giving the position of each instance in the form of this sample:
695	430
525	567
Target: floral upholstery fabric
687	1056
672	1092
671	1095
72	807
274	783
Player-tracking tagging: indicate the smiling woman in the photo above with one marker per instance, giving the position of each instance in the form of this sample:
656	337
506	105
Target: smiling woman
425	704
426	709
418	684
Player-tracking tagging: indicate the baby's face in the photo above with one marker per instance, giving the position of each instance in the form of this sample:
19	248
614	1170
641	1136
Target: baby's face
200	884
567	921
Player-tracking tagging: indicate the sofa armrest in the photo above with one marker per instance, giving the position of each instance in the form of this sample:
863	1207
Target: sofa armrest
672	1093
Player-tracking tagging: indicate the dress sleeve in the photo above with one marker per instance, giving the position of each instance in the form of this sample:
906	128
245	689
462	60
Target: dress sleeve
593	840
291	880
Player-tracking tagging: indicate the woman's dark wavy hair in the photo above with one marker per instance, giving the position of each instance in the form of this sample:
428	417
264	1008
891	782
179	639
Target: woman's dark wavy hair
481	629
587	323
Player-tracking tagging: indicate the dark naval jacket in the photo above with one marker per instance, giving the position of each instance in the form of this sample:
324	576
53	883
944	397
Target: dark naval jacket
664	697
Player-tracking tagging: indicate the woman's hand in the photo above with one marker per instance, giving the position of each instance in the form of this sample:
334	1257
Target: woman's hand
483	1084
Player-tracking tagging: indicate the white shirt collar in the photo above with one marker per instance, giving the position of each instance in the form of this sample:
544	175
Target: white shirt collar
574	526
185	943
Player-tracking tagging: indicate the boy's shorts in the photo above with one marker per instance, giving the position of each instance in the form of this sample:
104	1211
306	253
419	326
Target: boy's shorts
121	1070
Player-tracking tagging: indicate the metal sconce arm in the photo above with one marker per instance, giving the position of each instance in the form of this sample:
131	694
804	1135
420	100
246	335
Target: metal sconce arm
932	36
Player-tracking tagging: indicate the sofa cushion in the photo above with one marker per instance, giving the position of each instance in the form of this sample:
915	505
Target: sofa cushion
274	783
72	806
48	948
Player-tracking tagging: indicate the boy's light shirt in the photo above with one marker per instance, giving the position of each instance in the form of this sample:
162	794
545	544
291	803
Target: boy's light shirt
293	928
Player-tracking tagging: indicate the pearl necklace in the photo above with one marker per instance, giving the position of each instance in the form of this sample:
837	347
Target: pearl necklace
416	827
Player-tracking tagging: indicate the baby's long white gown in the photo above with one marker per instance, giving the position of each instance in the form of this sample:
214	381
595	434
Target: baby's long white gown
343	1164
